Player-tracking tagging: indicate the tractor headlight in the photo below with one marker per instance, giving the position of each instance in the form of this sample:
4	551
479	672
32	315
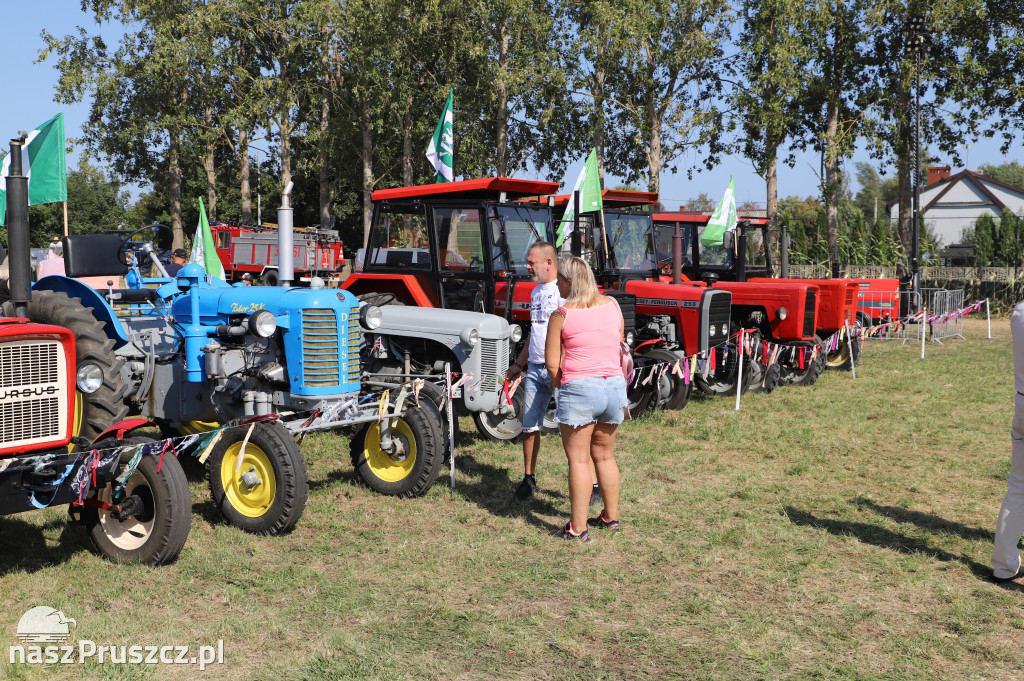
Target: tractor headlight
517	333
712	331
263	323
630	337
783	313
371	317
470	336
89	378
725	329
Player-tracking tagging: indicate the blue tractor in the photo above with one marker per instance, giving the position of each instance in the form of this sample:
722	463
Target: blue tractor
191	352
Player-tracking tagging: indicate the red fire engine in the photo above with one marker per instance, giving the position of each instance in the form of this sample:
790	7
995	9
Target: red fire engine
316	253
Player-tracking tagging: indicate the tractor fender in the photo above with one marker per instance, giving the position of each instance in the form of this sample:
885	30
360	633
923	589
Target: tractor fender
119	429
90	297
649	345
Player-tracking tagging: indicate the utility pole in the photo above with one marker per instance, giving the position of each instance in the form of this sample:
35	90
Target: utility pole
917	41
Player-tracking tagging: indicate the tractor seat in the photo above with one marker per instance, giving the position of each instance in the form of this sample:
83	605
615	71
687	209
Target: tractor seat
93	255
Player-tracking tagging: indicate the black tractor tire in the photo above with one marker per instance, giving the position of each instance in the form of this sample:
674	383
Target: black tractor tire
641	400
722	381
276	502
414	473
847	355
765	381
792	374
155	536
434	393
864	319
673	391
270	278
97	411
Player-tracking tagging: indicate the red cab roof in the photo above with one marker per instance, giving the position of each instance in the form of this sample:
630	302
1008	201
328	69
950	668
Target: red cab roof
616	198
485	188
696	218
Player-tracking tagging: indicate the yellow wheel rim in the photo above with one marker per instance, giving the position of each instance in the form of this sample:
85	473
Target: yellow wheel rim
382	465
252	501
840	356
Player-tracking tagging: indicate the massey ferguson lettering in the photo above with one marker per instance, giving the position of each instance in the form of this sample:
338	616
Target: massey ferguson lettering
21	393
661	302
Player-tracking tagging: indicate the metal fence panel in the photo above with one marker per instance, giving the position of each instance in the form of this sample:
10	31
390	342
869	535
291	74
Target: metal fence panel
945	318
895	315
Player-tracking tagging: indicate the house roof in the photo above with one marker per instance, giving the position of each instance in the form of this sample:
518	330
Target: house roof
976	179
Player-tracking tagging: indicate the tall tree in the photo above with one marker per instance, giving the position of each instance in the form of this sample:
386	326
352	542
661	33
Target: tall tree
773	61
666	86
142	107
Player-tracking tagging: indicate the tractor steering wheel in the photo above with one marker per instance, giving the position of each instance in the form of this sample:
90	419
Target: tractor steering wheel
122	249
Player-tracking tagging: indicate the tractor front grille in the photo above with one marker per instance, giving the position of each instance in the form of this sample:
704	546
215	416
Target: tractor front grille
321	361
33	393
354	337
493	362
810	307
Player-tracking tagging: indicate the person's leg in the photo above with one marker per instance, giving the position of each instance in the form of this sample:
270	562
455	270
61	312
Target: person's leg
531	447
602	452
576	441
1006	559
536	395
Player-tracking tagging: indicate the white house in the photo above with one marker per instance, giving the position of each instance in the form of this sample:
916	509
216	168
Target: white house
950	204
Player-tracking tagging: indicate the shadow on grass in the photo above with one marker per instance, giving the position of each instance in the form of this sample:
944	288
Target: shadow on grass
495	493
346	475
887	539
23	546
927	521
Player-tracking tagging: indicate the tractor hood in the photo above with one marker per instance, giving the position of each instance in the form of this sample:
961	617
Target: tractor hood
438	323
218	304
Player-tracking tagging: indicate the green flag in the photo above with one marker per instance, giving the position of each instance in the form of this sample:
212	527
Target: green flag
43	162
203	251
441	151
588	184
723	220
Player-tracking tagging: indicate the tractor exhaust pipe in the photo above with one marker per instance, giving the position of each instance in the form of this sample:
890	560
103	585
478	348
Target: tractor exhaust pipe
285	238
18	259
677	255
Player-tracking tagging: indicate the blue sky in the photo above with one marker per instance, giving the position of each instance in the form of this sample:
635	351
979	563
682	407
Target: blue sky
28	91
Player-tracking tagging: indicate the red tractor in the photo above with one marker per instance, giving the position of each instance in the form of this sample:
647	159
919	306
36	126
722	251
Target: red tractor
463	246
61	427
673	323
778	313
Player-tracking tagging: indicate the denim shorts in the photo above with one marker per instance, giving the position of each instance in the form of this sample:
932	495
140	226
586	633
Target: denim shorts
590	399
536	396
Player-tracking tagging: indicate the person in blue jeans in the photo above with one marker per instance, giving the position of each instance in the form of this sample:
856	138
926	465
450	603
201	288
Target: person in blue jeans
584	362
542	265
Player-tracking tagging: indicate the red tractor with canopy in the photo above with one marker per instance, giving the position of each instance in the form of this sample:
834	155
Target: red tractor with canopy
782	313
463	246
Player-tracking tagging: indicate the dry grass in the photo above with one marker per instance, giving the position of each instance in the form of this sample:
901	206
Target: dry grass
838	531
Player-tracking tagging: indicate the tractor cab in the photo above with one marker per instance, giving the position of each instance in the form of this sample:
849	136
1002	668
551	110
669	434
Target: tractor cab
717	263
454	245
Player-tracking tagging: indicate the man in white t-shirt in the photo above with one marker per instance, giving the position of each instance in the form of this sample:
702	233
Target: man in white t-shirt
542	264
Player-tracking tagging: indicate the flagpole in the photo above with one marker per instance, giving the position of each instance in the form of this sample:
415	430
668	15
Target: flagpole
66	232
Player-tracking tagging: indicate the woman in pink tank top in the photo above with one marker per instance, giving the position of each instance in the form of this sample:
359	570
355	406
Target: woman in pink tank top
582	356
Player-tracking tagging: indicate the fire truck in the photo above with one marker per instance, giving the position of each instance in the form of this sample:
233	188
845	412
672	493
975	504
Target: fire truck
242	249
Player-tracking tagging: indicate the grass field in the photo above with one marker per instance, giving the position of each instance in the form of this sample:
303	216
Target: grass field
838	531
